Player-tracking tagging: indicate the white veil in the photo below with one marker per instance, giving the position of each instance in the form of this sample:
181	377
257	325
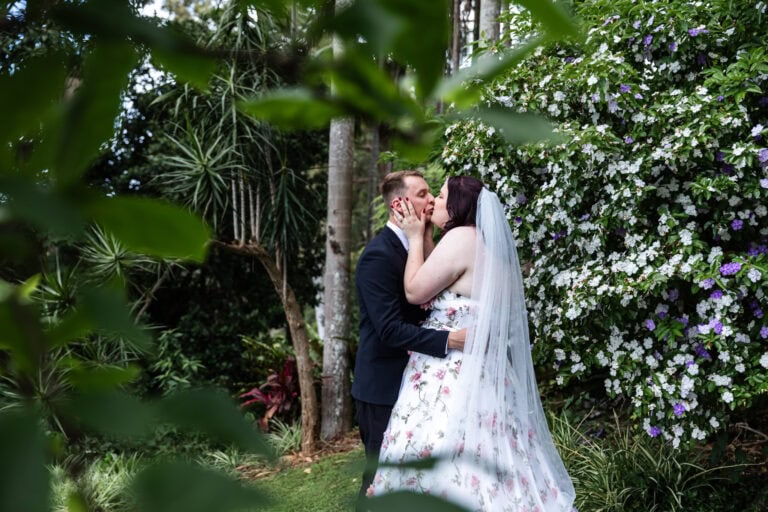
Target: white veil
504	429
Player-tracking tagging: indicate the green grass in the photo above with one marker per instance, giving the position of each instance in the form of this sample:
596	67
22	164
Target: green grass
330	485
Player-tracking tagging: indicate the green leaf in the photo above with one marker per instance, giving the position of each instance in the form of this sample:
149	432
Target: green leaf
113	413
406	500
293	109
90	115
74	326
28	93
152	227
414	33
21	333
516	128
107	309
214	413
456	89
24	477
115	21
101	378
42	208
177	487
556	21
275	7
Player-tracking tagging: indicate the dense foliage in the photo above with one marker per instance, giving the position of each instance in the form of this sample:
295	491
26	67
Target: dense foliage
646	225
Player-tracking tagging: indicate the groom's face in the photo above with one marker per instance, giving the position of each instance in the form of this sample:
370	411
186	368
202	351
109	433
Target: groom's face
420	196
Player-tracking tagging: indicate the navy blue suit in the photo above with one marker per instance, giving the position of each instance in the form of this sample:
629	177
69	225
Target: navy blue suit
388	330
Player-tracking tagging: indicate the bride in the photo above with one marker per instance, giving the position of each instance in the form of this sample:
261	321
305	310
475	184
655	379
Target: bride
477	411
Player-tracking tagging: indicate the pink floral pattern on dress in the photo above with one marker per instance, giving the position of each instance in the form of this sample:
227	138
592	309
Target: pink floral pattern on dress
431	401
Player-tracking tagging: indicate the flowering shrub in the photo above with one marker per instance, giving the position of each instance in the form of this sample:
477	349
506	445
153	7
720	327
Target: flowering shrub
646	223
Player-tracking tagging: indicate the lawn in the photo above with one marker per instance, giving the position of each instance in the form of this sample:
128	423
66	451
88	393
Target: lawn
329	485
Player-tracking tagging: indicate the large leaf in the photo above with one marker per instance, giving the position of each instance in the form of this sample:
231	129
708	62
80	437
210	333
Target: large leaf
456	88
414	33
406	500
556	21
24	484
42	208
178	487
113	413
27	94
152	227
93	378
107	309
214	413
21	333
114	20
90	116
516	128
295	109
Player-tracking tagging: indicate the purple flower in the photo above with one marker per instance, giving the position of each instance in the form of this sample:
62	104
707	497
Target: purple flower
720	98
717	294
521	199
764	332
650	325
628	140
636	24
663	314
719	156
568	60
737	224
625	88
763	101
762	155
690	363
683	319
612	106
654	431
696	31
730	269
638	96
701	59
758	313
702	352
679	409
673	47
764	183
708	283
584	217
647	40
717	327
673	294
519	220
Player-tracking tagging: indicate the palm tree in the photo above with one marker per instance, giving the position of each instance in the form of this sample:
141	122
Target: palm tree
237	172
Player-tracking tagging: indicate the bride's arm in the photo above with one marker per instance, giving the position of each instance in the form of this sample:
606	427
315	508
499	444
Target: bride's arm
449	260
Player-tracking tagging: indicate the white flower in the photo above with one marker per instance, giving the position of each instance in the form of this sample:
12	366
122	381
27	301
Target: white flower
764	360
754	275
757	130
727	397
686	237
713	421
592	80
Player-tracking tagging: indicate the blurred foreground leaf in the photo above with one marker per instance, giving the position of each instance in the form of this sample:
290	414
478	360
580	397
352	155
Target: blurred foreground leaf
516	128
24	485
216	414
406	500
293	109
114	413
178	487
153	227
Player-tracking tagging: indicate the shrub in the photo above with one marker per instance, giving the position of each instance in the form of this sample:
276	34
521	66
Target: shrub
645	225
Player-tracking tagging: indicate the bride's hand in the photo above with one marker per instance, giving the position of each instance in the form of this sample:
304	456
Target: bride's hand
411	223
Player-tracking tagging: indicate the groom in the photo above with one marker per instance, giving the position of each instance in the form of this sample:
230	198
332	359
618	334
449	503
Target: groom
388	324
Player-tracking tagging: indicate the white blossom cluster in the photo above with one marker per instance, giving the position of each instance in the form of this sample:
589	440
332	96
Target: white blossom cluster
647	227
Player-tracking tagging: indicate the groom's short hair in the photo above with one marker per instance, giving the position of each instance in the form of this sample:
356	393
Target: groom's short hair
393	184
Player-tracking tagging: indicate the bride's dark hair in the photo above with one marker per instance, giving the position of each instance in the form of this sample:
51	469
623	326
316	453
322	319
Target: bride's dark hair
463	192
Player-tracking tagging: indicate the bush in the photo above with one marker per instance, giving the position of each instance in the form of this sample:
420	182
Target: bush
645	226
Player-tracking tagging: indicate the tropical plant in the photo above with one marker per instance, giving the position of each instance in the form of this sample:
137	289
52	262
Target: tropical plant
278	394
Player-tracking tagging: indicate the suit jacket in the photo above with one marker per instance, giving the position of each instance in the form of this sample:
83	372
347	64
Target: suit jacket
388	327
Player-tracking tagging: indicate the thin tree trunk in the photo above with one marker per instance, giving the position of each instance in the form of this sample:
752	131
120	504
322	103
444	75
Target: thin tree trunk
336	413
456	36
489	20
299	337
373	179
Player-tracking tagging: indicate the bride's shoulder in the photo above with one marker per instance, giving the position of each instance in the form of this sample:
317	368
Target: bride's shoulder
462	233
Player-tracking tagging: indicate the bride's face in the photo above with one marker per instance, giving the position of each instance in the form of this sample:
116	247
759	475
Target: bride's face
440	214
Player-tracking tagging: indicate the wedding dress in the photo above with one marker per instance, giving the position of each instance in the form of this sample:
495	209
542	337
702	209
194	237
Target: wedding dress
478	412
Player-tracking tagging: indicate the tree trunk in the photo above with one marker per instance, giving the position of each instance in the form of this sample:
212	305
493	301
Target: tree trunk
456	36
298	330
336	411
489	19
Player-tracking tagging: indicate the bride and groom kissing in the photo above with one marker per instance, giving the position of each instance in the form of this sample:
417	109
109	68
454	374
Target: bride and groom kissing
443	367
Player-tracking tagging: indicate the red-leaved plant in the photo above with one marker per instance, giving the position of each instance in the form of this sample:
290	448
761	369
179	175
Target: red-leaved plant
279	394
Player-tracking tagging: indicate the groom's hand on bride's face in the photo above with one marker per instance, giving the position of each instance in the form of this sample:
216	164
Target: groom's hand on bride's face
456	339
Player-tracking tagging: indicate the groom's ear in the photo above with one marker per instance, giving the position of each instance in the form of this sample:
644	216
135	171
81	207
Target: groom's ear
397	205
